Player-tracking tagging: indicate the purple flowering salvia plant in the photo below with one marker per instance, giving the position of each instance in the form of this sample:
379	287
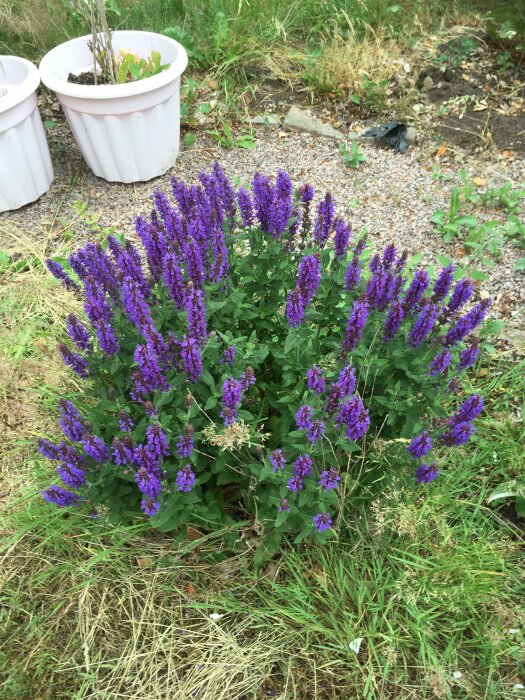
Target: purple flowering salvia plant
247	354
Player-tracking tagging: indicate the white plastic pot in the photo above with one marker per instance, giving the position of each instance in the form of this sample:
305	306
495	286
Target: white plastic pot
25	164
128	132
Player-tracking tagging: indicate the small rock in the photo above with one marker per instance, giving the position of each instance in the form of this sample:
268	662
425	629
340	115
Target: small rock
516	337
299	120
367	140
411	135
428	84
265	119
352	135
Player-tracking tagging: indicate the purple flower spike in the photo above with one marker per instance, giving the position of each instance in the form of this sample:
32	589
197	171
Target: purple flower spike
96	448
469	356
48	449
324	220
263	199
228	356
377	289
194	264
316	379
148	483
282	205
124	422
184	447
352	275
148	365
458	435
426	473
329	479
174	280
315	431
72	476
284	506
245	207
346	381
466	324
440	363
71	421
149	506
295	308
248	378
334	399
354	327
309	277
389	255
78	333
303	417
302	466
135	304
156	441
341	237
61	275
420	445
393	321
354	416
462	292
469	410
231	398
415	291
146	459
73	360
186	479
60	497
295	483
70	455
423	325
402	261
277	460
306	193
191	358
444	282
122	451
153	240
322	522
196	311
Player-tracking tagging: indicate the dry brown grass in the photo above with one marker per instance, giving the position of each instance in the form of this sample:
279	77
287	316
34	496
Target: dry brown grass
122	631
32	310
345	63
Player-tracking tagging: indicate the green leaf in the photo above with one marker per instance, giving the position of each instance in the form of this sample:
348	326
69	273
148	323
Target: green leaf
281	518
135	71
478	275
5	260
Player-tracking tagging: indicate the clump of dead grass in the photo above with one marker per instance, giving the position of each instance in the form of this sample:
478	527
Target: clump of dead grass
348	61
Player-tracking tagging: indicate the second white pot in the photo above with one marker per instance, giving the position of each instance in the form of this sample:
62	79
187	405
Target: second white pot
127	132
25	165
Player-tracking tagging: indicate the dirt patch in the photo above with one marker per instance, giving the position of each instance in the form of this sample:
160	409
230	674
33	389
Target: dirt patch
479	94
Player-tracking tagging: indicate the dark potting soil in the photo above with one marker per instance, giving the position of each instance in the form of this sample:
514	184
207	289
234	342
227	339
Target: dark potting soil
86	78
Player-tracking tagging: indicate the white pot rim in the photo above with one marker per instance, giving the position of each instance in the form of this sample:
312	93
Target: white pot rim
18	94
102	92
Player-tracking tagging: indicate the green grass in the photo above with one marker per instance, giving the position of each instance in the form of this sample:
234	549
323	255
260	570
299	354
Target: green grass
429	578
245	41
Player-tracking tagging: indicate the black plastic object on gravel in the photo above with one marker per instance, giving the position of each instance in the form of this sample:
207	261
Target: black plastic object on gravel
391	135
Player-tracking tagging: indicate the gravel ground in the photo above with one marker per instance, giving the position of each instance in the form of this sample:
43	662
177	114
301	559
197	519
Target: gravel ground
392	195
